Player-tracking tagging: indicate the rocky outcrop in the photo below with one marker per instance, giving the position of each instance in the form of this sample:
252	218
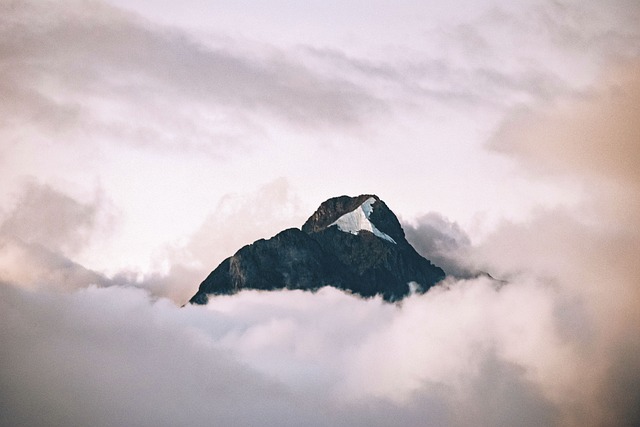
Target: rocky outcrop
352	243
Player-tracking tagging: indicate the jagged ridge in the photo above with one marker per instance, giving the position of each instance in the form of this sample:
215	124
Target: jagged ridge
320	254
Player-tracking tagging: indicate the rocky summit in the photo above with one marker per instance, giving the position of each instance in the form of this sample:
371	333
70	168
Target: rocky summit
352	243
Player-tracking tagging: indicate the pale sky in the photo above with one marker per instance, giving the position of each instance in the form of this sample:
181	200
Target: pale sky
142	142
162	109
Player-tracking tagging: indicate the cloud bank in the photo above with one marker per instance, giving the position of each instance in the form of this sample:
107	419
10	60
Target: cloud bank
556	343
281	358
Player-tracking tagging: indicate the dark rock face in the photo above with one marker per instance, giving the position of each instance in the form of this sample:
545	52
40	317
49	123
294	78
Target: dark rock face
321	254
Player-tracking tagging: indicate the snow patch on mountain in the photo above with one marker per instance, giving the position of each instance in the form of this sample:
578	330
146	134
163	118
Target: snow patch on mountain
358	219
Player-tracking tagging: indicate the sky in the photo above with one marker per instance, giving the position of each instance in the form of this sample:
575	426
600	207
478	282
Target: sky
141	143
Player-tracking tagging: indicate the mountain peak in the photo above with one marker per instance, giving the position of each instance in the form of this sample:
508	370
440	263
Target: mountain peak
352	243
332	209
360	220
375	211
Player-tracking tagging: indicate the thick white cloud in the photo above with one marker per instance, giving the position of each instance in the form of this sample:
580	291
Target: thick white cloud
589	251
178	129
281	358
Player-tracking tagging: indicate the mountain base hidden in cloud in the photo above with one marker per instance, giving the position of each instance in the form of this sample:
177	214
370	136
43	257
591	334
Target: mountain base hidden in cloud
352	243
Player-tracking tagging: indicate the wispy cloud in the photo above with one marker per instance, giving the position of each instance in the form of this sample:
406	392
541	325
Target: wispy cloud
41	234
51	219
81	66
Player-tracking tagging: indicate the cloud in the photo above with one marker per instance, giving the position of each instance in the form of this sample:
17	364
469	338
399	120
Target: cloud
79	68
32	266
589	251
237	220
47	217
496	55
111	357
556	345
45	231
241	219
593	136
441	241
40	233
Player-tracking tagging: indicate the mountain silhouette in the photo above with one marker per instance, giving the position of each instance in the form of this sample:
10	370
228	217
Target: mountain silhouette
351	243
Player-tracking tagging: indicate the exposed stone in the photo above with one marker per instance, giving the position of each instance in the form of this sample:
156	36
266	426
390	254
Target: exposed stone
322	255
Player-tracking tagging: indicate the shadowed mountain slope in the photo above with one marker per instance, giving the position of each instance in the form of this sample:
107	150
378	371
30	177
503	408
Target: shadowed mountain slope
352	243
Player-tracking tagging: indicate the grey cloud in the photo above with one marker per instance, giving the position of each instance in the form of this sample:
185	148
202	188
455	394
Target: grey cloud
503	396
595	269
111	357
47	217
82	65
609	28
621	390
561	350
443	242
503	56
97	359
589	251
454	356
517	55
463	353
33	266
594	272
41	232
441	80
45	229
595	135
555	346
